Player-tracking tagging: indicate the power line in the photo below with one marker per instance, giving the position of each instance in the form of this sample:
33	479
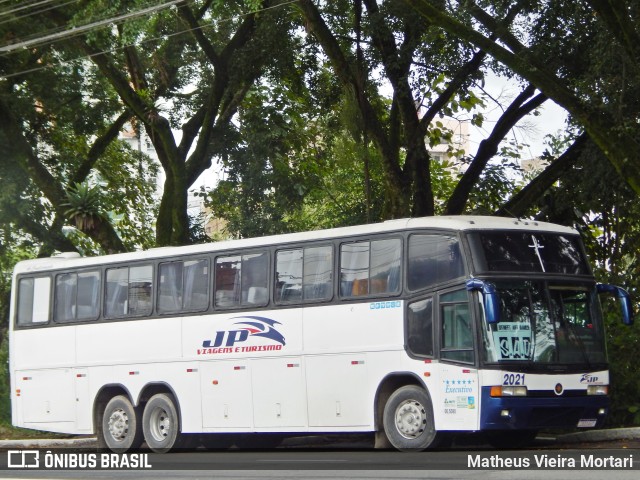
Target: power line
85	28
24	6
36	12
61	28
148	40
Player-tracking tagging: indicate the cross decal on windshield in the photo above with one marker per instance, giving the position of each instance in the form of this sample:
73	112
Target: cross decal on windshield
537	246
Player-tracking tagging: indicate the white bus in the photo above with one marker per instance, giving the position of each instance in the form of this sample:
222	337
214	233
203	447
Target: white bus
412	329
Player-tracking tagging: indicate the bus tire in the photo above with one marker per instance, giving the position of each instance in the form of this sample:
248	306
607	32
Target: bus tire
120	426
161	424
408	419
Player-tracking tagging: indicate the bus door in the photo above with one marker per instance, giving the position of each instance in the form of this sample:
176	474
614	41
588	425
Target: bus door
459	392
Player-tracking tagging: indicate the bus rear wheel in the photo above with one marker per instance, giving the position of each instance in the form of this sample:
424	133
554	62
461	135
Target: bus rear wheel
408	419
120	427
160	424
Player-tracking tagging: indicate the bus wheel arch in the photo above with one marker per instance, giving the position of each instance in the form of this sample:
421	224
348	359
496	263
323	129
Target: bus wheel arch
388	385
407	418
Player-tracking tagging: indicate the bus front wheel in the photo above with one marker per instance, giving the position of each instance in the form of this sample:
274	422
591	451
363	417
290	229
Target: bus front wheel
408	419
160	423
120	428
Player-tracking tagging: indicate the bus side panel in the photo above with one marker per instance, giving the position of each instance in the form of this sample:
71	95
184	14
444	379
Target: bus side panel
44	348
279	394
456	398
356	327
134	341
43	385
343	343
226	395
337	390
47	398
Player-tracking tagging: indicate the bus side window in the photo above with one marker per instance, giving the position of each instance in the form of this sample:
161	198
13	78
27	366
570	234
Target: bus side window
457	331
304	274
128	291
183	286
242	280
255	277
33	300
227	288
288	286
318	273
433	259
420	327
368	268
77	296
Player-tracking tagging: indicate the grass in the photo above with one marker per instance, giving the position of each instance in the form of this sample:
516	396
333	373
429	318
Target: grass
9	432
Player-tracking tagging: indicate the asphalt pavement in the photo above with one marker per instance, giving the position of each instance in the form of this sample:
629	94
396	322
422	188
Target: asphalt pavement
613	438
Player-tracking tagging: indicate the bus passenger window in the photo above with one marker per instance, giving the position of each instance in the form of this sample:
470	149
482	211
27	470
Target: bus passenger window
88	299
77	296
433	259
354	269
128	291
33	300
420	327
183	286
288	286
255	274
242	280
304	274
228	281
368	268
318	273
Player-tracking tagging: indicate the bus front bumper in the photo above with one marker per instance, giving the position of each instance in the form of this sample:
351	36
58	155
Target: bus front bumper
549	411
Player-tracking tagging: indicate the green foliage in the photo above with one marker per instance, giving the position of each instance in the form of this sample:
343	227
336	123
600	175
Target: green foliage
5	387
83	205
602	206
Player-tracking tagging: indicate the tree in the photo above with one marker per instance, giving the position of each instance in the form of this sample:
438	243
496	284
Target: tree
606	212
430	75
205	75
297	162
179	74
583	55
57	128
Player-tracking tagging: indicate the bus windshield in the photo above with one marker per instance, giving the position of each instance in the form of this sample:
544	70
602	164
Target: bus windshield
545	323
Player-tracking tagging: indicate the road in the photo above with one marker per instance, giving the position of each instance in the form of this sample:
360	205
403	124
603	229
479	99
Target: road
353	459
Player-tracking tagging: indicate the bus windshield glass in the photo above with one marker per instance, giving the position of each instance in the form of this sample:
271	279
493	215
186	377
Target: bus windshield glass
545	324
521	251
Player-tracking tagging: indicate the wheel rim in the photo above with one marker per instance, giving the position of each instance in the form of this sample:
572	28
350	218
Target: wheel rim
160	424
411	419
118	424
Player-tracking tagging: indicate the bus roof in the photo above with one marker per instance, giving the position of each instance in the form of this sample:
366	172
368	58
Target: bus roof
453	223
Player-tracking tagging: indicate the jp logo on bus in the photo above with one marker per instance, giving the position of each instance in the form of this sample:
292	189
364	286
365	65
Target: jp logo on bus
229	341
588	378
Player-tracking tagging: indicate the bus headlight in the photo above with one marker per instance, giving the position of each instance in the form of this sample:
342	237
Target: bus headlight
504	391
597	389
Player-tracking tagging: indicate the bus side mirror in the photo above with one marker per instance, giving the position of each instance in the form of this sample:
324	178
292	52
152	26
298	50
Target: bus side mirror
623	296
490	298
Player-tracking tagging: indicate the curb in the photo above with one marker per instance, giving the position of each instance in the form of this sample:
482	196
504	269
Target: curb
601	435
590	436
85	442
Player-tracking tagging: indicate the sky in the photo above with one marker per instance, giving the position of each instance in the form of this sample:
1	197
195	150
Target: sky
531	130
